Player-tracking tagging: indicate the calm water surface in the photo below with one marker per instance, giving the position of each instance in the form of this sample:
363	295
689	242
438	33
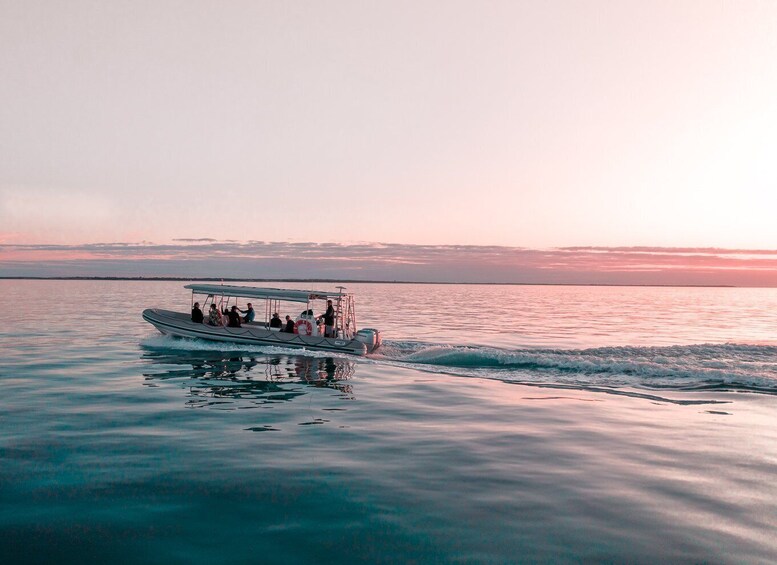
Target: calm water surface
498	424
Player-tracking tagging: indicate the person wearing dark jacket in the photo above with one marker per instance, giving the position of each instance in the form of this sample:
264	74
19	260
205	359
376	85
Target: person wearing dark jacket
289	329
197	316
329	320
276	322
234	318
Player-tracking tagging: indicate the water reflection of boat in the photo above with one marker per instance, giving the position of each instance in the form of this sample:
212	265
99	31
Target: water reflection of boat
213	378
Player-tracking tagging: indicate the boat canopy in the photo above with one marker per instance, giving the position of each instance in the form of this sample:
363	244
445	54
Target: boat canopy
289	295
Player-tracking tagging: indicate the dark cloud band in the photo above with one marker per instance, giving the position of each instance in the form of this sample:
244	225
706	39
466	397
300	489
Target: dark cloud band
391	261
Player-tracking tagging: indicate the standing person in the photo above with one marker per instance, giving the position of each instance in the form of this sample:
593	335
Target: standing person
197	315
214	316
249	314
234	318
289	329
329	320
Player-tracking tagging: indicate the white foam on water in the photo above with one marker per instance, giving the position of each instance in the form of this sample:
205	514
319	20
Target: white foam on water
192	344
738	366
688	367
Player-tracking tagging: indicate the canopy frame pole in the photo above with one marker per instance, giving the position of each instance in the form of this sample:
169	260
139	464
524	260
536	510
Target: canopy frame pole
353	316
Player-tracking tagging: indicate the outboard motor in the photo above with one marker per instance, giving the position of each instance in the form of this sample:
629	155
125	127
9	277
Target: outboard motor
369	337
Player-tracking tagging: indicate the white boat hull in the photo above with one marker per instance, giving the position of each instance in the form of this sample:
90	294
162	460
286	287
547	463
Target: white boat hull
181	325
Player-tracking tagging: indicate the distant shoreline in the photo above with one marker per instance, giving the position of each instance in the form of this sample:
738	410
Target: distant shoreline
358	281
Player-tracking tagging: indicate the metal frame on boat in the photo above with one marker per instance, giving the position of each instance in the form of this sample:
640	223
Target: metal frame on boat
347	339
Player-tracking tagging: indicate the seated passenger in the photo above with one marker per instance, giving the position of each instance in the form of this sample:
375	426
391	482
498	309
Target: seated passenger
234	318
249	314
214	317
289	329
276	321
197	315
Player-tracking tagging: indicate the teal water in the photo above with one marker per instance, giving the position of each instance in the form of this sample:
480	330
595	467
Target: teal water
498	424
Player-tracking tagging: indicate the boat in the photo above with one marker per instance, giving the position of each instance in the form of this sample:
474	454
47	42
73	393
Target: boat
308	333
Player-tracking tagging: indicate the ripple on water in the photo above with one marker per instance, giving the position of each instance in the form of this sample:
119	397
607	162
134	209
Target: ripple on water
123	447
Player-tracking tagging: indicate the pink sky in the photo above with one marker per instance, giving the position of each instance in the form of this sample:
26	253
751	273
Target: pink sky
534	125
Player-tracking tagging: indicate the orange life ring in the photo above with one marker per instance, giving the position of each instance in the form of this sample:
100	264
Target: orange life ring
303	327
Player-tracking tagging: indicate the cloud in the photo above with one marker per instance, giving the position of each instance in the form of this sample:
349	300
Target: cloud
206	257
675	250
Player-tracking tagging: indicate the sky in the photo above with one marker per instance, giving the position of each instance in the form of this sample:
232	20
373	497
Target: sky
169	128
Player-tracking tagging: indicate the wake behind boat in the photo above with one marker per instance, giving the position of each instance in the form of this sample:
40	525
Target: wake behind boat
334	331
